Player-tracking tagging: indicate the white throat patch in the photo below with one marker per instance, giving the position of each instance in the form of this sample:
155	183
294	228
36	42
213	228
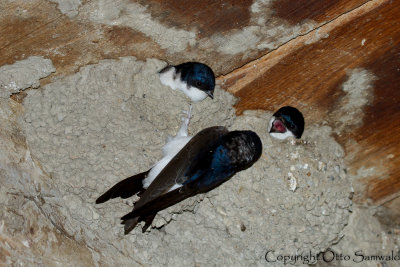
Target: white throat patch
173	80
280	136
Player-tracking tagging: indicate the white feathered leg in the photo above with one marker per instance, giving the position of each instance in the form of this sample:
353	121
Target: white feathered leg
183	131
170	149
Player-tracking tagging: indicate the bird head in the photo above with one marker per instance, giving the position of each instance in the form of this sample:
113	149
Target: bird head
287	121
199	76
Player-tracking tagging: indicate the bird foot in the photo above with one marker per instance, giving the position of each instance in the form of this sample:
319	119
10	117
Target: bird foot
183	131
188	114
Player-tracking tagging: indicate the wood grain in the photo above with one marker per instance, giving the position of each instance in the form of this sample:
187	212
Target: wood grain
37	27
43	30
317	10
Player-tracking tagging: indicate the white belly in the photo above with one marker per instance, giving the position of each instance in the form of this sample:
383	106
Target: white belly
170	150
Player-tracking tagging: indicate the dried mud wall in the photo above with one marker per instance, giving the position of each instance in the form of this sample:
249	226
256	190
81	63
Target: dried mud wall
81	107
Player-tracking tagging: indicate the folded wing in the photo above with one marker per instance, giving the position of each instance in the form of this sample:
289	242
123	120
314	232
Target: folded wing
157	195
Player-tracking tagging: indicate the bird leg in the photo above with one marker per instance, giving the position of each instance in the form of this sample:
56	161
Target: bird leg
183	131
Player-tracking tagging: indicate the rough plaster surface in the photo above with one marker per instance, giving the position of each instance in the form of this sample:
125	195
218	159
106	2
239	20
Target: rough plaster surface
359	93
28	233
110	120
23	74
68	7
365	235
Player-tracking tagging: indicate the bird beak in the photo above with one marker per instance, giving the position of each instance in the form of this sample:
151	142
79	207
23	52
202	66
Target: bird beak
273	130
165	69
210	94
277	127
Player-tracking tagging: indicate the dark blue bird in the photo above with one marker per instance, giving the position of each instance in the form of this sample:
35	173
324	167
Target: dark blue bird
209	159
286	122
196	80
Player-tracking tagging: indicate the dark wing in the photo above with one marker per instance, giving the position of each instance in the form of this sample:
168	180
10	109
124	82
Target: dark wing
162	202
169	199
156	197
176	168
124	189
148	211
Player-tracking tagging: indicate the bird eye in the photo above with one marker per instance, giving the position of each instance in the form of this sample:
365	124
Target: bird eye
289	123
198	83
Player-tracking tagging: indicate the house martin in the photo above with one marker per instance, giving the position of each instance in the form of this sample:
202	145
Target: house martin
195	79
287	121
191	165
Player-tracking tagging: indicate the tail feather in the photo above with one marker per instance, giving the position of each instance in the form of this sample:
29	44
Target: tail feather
148	211
124	189
131	223
148	221
162	202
